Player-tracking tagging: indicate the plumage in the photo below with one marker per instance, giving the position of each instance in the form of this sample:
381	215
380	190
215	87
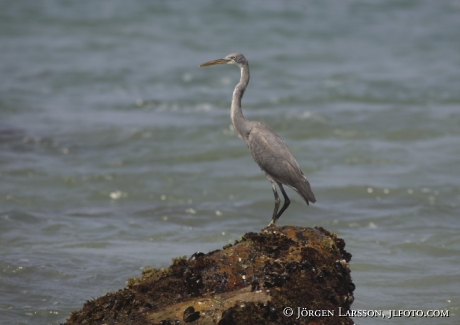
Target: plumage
268	150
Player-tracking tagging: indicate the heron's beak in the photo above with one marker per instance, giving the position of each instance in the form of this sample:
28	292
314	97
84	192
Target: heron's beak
213	62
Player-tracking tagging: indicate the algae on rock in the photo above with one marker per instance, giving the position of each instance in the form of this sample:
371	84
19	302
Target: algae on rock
250	282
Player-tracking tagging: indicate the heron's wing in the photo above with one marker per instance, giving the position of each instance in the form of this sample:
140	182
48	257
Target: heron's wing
272	154
274	157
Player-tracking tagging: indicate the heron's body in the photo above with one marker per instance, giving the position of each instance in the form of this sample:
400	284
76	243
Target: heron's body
267	148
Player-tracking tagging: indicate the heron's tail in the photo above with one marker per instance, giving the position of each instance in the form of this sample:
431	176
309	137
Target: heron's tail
305	191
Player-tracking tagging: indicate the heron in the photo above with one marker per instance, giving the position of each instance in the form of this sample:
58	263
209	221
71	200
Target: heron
268	150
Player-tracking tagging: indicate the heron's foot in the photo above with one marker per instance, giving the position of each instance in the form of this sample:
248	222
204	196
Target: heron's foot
272	223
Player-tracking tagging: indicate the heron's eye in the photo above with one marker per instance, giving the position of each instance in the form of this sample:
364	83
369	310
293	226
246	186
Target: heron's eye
233	58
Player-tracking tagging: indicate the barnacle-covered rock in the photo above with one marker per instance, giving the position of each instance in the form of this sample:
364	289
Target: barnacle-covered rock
254	281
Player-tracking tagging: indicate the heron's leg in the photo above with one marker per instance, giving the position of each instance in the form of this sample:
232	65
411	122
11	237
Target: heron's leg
285	205
277	203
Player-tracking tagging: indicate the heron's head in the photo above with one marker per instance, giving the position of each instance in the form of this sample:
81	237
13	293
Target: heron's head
237	59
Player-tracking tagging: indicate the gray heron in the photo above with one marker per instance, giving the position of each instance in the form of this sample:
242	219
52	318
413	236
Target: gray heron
269	151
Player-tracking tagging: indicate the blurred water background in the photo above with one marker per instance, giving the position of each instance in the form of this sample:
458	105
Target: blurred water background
116	150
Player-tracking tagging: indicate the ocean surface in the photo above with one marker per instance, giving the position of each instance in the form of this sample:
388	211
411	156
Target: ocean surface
117	152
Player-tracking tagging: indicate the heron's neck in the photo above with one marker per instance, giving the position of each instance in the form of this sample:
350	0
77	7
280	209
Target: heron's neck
240	124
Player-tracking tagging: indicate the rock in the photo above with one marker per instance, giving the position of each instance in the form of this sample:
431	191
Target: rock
254	281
